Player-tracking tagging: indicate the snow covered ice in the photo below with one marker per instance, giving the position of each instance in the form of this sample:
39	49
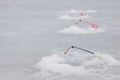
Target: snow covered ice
35	33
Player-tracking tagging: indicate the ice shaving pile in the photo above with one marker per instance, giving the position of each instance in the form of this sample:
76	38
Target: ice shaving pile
78	30
58	66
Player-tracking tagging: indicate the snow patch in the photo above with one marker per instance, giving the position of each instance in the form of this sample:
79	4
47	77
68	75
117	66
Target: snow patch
73	11
70	17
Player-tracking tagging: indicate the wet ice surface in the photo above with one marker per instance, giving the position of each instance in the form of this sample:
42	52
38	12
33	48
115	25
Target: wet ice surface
29	33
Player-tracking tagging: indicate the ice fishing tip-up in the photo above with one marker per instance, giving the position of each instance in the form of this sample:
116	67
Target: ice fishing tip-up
79	49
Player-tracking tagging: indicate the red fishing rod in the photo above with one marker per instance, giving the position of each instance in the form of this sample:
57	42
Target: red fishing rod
92	24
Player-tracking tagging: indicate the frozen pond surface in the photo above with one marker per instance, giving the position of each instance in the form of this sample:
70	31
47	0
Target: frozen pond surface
34	35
